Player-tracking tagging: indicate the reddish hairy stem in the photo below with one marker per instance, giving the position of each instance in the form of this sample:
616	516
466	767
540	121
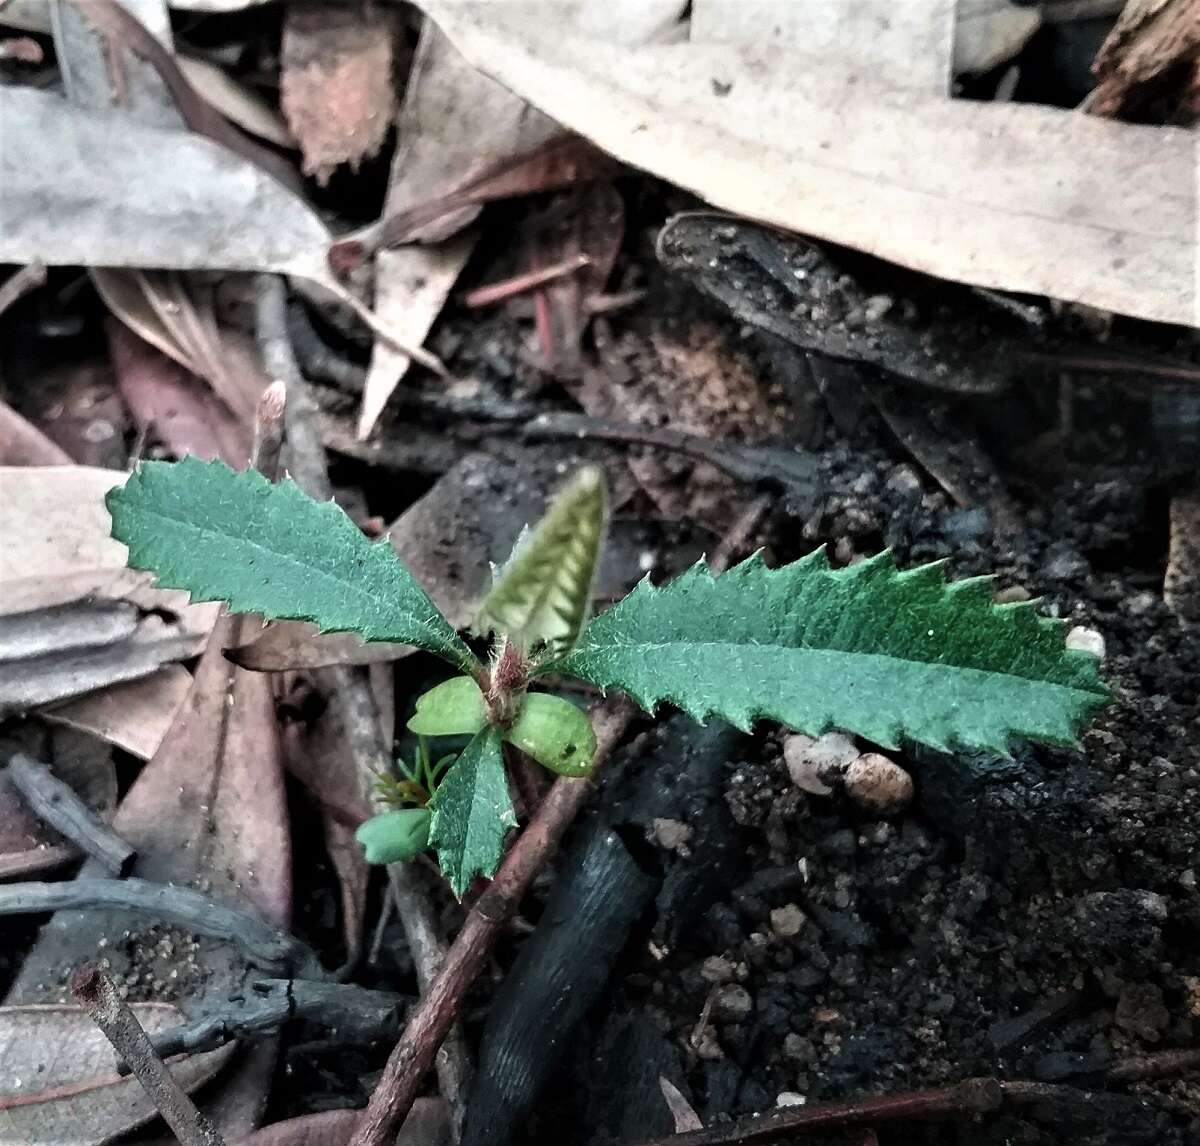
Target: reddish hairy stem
433	1015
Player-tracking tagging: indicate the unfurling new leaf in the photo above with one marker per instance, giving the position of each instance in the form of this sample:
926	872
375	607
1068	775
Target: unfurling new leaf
885	654
472	812
273	550
392	837
543	593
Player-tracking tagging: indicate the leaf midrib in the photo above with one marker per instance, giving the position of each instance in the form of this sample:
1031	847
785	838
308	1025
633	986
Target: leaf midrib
810	650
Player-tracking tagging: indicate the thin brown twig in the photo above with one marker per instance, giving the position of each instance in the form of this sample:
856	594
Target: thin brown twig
20	283
60	806
492	293
98	995
348	689
975	1096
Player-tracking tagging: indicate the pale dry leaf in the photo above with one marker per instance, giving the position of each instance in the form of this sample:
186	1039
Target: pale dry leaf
57	548
134	716
23	444
60	1085
80	187
236	102
1093	212
683	1114
336	83
989	32
427	1124
905	44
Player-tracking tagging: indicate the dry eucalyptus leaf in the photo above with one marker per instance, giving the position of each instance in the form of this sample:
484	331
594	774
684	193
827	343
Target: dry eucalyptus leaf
989	32
88	188
134	716
903	44
336	85
60	1086
427	1124
1095	212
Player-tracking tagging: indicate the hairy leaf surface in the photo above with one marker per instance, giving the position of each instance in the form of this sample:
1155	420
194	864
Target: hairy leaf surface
472	812
544	590
273	550
885	654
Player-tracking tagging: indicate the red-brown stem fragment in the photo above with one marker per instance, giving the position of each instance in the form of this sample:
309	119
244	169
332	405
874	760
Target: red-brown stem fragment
98	996
492	293
431	1018
975	1096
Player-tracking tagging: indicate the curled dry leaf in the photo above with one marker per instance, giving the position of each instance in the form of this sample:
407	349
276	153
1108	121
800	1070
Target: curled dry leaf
336	85
1094	213
427	1124
236	102
60	1085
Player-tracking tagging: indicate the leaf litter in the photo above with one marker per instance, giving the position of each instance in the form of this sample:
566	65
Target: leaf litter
516	152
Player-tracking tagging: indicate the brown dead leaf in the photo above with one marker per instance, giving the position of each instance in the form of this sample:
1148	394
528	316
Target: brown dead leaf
173	406
134	716
1152	39
60	1085
1094	212
76	405
29	847
208	810
23	444
336	85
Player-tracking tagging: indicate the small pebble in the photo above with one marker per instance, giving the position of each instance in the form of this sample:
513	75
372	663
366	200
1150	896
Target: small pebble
790	1098
671	835
813	764
1086	640
718	969
731	1004
787	921
1011	594
878	784
1141	1011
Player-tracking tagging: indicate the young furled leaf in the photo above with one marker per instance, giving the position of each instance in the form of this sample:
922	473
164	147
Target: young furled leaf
271	549
472	812
869	649
543	593
395	836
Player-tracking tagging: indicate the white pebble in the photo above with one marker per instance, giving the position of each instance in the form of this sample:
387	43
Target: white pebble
814	765
1086	640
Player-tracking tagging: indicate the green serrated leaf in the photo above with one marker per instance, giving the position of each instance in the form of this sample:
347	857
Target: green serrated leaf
868	649
555	733
453	708
472	812
392	837
544	591
271	549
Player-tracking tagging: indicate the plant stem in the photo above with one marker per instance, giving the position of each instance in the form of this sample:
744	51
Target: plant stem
435	1013
432	1017
97	994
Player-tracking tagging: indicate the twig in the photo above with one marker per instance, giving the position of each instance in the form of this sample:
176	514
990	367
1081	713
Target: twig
975	1096
433	1016
355	1014
18	285
261	943
96	992
268	430
492	293
59	805
1158	1064
349	690
385	917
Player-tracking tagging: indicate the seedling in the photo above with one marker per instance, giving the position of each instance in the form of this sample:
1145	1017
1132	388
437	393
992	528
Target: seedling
888	655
